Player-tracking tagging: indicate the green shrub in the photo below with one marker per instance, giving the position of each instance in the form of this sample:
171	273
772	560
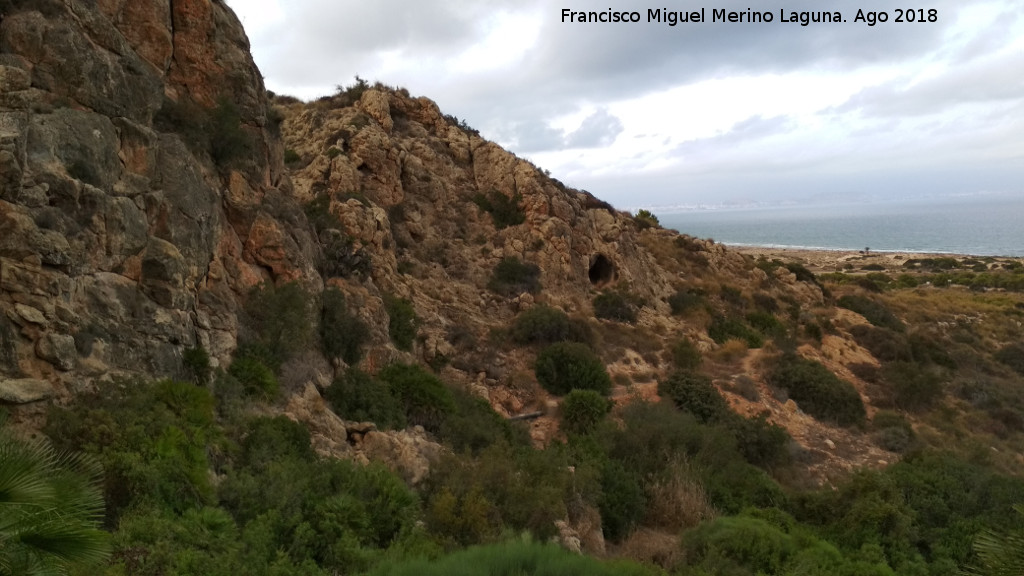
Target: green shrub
644	219
583	410
615	305
723	329
884	344
892	431
914	386
402	321
695	394
513	557
473	425
512	277
196	363
568	366
291	156
546	325
685	300
767	324
818	391
686	356
342	334
760	442
622	503
1013	356
424	399
277	323
355	395
505	211
257	379
228	140
872	311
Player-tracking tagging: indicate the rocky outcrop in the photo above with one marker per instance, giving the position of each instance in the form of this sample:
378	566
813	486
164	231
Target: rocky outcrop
125	234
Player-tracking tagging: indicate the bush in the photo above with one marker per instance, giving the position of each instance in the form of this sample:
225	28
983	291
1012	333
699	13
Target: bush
196	363
914	386
818	391
512	277
505	211
228	141
767	324
355	395
1013	356
277	323
567	366
685	300
546	325
884	344
622	503
686	356
473	425
695	394
342	334
424	399
615	305
256	378
872	311
402	321
645	219
582	410
759	441
724	328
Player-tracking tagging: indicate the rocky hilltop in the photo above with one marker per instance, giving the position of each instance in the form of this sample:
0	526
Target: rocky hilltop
149	183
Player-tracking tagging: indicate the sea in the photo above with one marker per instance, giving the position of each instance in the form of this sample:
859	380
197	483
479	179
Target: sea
975	225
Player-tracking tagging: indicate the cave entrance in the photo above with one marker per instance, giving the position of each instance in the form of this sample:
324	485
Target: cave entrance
602	270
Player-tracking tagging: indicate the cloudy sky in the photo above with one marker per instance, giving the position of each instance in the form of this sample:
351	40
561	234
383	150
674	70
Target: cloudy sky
648	114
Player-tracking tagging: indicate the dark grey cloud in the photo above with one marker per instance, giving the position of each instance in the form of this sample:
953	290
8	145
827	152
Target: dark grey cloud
980	82
597	130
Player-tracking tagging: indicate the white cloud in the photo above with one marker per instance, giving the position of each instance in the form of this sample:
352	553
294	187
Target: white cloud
693	111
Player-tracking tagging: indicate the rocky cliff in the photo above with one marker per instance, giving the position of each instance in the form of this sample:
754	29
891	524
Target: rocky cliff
144	193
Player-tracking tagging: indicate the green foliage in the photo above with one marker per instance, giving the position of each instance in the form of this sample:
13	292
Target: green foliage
914	386
473	425
583	410
512	277
342	333
150	438
348	95
402	321
277	323
685	300
424	399
50	509
228	140
818	391
645	219
1000	554
686	356
510	558
196	364
355	395
1013	356
471	500
505	211
725	328
872	310
761	443
767	324
291	156
546	325
568	366
257	380
695	394
892	431
884	344
616	305
622	503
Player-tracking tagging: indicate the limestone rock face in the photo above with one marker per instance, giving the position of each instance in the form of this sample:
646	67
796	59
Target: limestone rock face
123	238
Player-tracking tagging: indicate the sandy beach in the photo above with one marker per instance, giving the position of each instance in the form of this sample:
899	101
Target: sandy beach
824	261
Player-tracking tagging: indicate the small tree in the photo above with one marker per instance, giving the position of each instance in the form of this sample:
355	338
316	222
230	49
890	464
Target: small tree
567	366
